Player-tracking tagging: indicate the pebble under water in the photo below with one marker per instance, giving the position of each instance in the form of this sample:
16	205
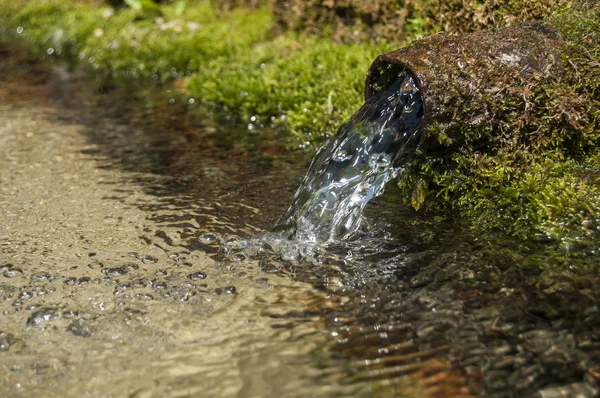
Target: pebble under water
136	260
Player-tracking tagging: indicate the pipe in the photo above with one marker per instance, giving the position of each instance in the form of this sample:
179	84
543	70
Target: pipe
475	84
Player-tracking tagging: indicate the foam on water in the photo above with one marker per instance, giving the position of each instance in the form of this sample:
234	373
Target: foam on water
354	166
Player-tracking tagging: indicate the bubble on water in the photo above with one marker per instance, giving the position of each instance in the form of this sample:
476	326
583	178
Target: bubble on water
69	314
116	271
41	316
11	272
191	100
41	276
207	239
181	293
144	297
197	275
20	30
229	289
121	288
50	51
238	256
139	283
96	265
70	281
268	266
171	101
148	259
6	340
81	328
160	285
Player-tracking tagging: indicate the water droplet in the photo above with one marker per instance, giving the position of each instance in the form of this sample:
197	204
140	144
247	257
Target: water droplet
20	30
171	101
50	51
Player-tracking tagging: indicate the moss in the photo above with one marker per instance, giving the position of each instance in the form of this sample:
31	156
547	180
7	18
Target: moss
230	60
356	20
512	133
310	85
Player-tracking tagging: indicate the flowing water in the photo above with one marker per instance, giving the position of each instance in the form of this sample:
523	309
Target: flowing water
136	260
356	164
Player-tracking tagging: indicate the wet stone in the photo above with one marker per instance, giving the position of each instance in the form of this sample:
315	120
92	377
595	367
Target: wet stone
42	316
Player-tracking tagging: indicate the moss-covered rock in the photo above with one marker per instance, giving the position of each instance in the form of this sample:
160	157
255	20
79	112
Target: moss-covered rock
511	127
352	20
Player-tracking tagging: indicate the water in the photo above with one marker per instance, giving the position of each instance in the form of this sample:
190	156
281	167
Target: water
136	260
355	165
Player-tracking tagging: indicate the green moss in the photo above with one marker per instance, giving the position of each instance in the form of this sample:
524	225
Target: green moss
357	20
532	166
230	60
310	85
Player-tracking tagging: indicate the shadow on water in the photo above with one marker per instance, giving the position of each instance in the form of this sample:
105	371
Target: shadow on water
419	306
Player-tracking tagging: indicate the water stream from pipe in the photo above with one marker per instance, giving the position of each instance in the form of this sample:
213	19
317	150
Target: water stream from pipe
355	165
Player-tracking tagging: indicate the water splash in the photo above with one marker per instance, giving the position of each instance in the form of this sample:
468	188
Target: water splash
354	166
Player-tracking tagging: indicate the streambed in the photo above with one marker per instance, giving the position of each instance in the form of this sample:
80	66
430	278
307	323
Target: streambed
124	271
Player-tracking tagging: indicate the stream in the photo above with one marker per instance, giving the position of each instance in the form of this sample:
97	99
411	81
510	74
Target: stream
137	259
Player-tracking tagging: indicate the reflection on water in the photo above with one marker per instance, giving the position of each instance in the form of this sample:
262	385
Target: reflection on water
134	261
